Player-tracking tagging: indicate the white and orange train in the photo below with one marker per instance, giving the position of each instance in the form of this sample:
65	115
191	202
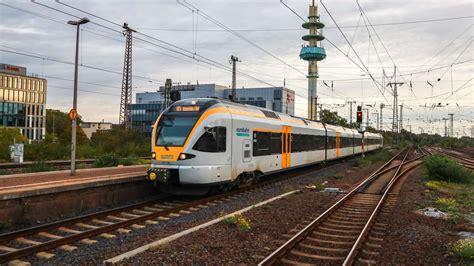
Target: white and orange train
202	144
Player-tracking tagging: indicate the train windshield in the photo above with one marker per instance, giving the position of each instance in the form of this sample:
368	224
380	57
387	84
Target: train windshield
173	130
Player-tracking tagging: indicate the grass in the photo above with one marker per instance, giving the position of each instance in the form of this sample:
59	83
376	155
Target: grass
456	199
40	166
240	221
316	187
381	155
133	160
106	160
464	248
454	187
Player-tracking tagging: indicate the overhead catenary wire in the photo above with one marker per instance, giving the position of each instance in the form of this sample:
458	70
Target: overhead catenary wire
223	26
162	44
326	28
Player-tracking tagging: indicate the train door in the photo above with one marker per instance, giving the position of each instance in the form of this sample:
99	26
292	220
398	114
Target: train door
286	147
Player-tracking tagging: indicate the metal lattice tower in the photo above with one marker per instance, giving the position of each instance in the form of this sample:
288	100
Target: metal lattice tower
312	53
451	125
395	107
445	127
381	115
401	117
126	95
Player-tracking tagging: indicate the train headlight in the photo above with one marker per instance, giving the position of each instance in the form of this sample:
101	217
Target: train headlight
153	155
185	156
152	176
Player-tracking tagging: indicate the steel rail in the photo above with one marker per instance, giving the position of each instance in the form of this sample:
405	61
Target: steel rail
270	259
365	231
45	227
130	221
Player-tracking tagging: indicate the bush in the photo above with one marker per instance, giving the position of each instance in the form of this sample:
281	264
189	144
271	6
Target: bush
40	166
106	160
442	168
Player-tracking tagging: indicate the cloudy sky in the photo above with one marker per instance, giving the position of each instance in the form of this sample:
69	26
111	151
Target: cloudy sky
427	40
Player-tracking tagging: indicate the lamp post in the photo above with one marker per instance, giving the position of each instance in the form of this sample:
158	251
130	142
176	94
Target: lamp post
73	112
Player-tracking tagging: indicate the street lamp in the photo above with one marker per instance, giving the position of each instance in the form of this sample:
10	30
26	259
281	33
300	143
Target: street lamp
73	112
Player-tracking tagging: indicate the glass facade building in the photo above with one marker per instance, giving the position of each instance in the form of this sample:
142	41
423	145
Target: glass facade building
22	102
149	105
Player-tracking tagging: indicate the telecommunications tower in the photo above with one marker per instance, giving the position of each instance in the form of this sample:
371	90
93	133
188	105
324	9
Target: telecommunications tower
312	53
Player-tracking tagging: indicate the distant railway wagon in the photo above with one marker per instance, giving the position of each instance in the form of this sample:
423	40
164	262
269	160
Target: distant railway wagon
202	144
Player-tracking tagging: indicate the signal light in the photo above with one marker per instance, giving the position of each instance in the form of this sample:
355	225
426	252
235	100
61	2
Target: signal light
359	108
359	116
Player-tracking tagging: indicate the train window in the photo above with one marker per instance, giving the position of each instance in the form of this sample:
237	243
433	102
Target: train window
174	130
346	142
295	144
213	140
276	143
331	142
262	142
319	142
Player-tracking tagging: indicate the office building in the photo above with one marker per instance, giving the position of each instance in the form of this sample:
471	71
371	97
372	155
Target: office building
22	101
90	128
149	105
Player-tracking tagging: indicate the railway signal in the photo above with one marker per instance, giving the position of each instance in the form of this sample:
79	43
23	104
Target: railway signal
359	114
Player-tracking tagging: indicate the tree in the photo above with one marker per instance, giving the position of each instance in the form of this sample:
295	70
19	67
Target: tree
59	126
333	118
7	137
120	141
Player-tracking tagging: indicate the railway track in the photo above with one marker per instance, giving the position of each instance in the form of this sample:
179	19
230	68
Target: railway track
66	234
349	230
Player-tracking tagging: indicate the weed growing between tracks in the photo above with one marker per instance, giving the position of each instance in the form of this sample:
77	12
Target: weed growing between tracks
464	248
381	155
244	224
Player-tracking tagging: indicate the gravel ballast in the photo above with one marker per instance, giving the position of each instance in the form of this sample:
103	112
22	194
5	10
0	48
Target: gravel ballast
109	247
412	238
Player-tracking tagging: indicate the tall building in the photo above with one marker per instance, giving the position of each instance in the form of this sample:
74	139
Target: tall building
22	101
149	105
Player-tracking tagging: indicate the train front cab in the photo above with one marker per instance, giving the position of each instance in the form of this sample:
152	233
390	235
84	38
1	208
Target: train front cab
191	145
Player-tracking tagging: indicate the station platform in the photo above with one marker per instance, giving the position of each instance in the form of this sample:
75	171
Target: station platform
29	197
27	184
